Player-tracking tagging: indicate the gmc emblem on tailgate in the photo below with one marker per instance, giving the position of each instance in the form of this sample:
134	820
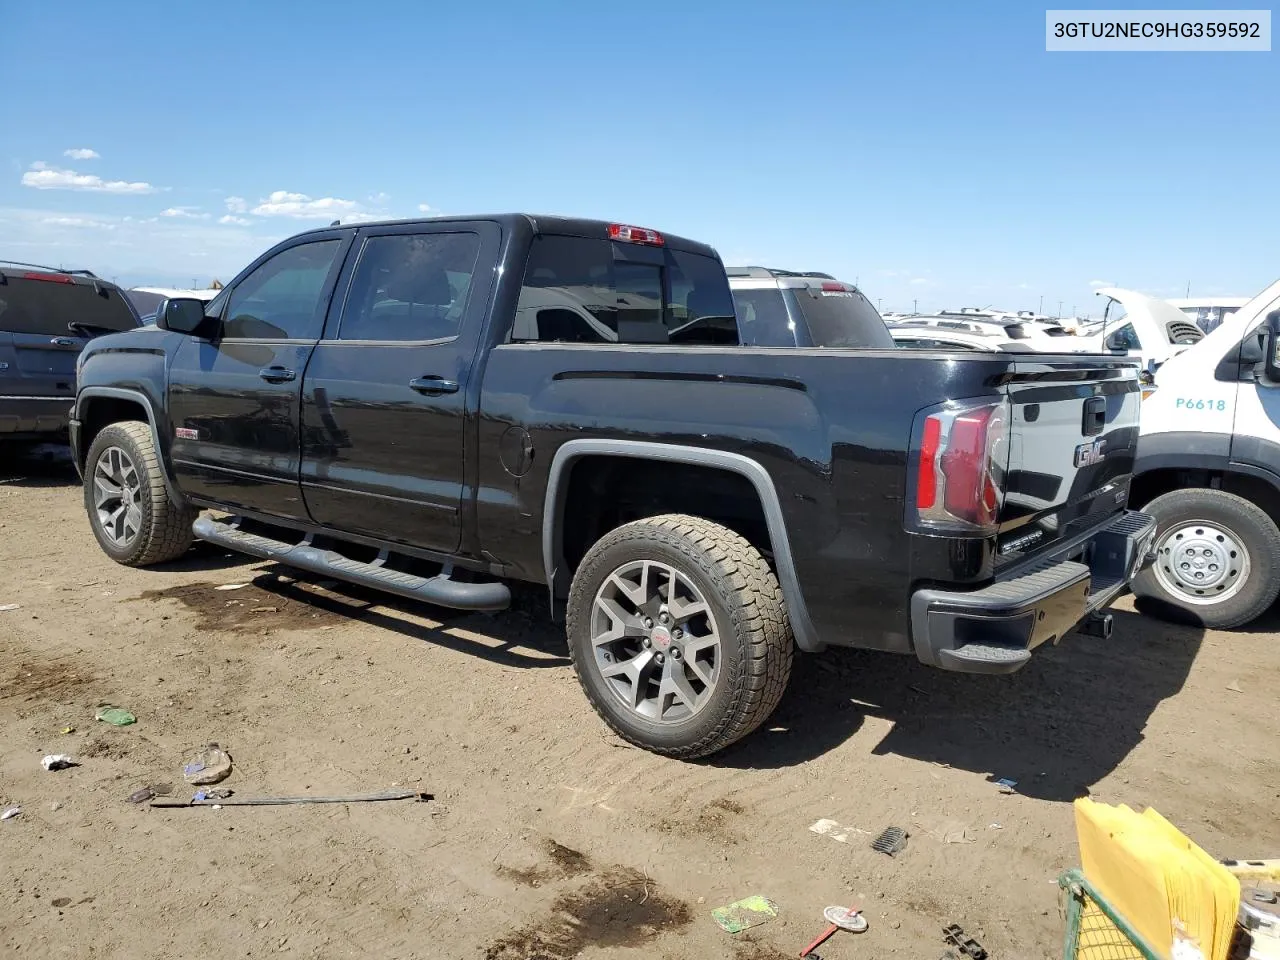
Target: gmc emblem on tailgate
1089	453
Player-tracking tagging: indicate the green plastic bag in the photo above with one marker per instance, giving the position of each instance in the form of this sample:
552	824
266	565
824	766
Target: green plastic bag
115	716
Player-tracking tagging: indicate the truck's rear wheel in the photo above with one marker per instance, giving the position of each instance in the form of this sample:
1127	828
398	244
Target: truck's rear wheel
129	508
1217	558
679	635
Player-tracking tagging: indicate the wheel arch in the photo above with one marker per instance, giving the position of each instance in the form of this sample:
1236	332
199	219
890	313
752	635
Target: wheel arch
1255	484
554	561
98	407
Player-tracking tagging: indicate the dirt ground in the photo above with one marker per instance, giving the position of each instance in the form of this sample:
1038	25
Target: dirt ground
547	837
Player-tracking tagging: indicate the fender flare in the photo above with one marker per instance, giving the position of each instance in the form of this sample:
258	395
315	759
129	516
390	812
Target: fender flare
140	398
553	511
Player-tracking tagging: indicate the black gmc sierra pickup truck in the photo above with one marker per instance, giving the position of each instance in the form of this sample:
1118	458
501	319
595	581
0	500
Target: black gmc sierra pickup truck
436	407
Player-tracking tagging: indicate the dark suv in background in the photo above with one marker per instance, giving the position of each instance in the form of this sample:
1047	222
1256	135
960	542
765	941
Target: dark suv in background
46	318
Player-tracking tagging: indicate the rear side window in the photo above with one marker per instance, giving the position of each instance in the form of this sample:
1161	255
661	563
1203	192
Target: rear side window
842	319
410	287
46	307
579	290
763	318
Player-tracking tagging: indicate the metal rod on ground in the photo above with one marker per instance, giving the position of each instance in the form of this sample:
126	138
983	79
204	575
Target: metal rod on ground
284	801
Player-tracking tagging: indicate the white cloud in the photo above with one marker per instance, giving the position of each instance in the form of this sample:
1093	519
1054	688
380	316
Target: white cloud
282	203
1101	283
41	176
238	221
82	153
425	208
360	216
1023	286
379	198
921	282
237	205
190	213
84	222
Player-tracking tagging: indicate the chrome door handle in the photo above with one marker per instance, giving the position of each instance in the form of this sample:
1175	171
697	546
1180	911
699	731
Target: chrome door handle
277	374
432	385
63	342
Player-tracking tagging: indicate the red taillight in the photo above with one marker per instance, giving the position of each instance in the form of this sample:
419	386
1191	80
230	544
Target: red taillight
832	287
960	462
927	479
48	277
970	493
627	234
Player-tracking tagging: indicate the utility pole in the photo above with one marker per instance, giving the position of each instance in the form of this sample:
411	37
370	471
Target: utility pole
1188	288
1041	310
915	306
879	304
1059	316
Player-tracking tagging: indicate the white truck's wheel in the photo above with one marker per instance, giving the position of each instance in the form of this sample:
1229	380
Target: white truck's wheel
1217	557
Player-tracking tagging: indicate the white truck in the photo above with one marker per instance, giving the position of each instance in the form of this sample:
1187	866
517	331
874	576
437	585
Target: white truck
1208	470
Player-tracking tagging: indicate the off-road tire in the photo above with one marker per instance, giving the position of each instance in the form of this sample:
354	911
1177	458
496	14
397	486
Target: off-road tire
744	597
1244	520
165	530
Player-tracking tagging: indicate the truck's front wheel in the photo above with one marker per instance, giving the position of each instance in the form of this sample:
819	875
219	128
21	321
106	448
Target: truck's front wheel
129	508
1217	558
679	635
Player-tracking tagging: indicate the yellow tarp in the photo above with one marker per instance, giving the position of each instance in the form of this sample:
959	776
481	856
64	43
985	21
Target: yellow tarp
1156	877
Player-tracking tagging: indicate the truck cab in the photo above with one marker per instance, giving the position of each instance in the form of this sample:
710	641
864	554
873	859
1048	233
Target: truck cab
1208	470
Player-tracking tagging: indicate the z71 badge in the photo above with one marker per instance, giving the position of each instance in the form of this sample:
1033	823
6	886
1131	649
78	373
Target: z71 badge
1089	453
186	433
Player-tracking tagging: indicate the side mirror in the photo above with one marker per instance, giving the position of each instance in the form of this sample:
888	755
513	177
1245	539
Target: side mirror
1117	343
1271	346
181	315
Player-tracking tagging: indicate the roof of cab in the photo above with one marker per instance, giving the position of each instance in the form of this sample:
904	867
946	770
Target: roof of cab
538	223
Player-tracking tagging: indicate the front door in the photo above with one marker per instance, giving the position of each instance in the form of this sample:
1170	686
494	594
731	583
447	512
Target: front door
384	405
233	400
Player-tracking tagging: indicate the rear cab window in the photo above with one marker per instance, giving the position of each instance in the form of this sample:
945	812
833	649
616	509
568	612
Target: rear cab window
585	290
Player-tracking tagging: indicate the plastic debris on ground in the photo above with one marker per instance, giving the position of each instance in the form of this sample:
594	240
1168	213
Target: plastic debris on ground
836	831
150	792
231	586
1006	785
210	764
838	918
221	793
892	841
10	813
116	716
744	914
6	607
57	761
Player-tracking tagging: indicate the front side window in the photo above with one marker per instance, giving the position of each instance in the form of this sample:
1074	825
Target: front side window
281	299
763	319
410	287
577	291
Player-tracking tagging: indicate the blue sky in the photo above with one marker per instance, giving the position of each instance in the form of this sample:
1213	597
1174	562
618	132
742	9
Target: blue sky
932	151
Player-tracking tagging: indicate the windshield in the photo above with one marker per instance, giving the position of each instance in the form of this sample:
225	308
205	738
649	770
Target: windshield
841	319
47	308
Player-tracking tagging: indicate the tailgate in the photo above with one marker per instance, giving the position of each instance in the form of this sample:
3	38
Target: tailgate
1072	440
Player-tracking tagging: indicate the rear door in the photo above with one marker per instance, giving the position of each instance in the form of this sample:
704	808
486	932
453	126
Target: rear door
233	400
1072	441
385	402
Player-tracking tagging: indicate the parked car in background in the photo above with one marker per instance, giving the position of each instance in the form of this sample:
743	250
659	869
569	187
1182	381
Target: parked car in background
783	308
1207	312
384	404
146	300
47	315
940	338
1034	334
1145	328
